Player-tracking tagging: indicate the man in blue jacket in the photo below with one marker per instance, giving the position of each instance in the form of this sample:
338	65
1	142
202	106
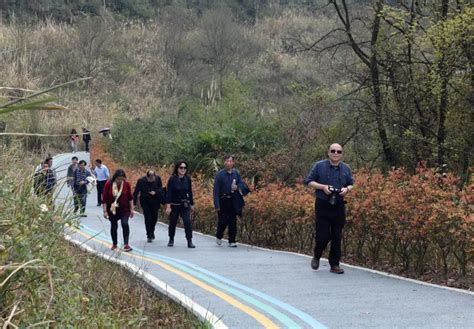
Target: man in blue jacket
332	180
229	190
80	188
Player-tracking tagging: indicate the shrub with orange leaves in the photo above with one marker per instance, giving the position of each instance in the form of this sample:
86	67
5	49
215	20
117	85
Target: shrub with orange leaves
411	224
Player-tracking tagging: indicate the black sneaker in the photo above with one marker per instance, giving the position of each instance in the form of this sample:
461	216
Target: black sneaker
149	240
315	263
171	242
336	270
190	244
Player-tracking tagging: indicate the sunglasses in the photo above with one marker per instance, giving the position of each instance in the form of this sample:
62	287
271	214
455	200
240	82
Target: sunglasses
336	151
182	167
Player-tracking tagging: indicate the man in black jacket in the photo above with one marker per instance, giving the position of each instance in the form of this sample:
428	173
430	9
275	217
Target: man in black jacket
151	193
45	181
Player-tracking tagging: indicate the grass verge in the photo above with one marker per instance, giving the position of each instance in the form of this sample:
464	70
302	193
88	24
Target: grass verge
47	282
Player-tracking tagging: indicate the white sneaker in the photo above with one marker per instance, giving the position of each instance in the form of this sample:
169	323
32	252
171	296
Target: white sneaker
219	241
233	245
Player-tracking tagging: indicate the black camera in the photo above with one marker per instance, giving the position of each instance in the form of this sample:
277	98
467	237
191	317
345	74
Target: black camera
333	196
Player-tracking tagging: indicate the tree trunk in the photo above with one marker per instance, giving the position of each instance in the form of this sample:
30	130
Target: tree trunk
377	94
443	102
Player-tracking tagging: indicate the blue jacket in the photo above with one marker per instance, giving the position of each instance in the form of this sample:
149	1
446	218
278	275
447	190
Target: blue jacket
222	187
81	175
324	173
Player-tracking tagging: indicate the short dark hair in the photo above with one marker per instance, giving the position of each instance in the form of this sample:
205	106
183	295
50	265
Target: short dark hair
75	158
176	166
83	162
229	156
98	161
46	162
48	158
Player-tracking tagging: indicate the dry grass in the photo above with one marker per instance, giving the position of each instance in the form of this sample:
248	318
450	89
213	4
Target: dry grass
48	282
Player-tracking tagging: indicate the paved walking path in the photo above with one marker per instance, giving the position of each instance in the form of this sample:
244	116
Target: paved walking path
250	287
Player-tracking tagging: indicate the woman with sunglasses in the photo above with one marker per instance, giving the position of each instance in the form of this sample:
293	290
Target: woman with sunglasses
117	202
180	203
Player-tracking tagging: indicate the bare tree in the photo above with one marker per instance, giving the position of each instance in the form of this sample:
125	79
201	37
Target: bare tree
221	43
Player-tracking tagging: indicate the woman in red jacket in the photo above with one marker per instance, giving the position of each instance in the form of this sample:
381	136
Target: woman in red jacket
117	202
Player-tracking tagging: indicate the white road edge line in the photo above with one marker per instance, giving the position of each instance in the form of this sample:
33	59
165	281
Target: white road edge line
393	276
166	289
389	275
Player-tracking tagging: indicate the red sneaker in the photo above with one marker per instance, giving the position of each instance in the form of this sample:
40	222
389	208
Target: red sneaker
114	246
127	248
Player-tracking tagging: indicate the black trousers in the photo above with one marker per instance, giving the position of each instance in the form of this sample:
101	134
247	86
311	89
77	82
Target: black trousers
330	221
87	145
185	213
100	190
227	217
80	200
114	227
150	211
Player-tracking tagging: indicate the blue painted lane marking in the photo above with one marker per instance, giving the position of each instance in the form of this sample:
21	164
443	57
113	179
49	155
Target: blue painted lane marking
289	323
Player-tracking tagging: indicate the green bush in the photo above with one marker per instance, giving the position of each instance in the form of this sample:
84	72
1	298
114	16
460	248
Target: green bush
198	133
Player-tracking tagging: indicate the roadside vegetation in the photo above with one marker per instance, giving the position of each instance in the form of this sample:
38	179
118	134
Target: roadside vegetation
274	82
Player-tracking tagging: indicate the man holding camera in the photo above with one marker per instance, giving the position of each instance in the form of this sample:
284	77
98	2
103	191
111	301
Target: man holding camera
332	180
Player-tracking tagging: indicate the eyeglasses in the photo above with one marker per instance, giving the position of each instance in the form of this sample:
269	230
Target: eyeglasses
182	167
336	151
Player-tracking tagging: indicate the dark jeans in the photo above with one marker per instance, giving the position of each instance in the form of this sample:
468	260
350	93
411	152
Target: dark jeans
114	227
87	146
150	211
100	190
185	213
330	221
227	217
80	200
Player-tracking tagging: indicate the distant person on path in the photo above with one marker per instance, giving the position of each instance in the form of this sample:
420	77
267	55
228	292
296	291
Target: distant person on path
179	199
80	188
229	190
102	174
49	160
45	181
332	180
86	137
117	203
150	190
70	172
74	140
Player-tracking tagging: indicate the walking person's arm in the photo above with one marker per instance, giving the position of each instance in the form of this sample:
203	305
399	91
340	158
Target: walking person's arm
169	192
312	180
136	192
107	173
161	192
216	193
191	198
130	198
106	199
350	182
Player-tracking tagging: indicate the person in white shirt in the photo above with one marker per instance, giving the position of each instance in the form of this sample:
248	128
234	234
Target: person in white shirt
101	172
